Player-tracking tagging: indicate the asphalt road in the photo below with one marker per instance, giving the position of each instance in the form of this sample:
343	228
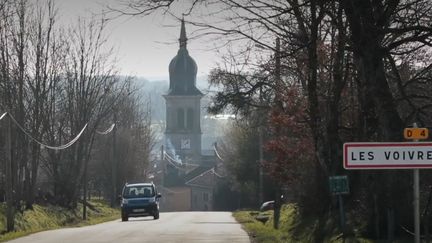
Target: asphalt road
181	227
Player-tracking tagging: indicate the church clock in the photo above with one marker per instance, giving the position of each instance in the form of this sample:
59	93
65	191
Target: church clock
185	144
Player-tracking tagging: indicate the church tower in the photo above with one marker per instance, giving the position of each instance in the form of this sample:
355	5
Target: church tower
183	106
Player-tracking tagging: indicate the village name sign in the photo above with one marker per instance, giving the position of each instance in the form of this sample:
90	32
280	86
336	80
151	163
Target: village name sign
387	155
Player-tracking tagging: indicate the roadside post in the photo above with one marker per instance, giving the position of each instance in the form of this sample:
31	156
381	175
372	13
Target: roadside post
338	187
401	155
415	134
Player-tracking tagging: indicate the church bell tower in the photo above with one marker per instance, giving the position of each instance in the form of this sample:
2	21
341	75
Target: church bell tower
183	106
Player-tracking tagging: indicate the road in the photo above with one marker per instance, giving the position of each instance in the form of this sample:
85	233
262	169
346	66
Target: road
171	227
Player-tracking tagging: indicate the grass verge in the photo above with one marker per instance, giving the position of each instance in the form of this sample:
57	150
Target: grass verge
292	228
264	232
49	217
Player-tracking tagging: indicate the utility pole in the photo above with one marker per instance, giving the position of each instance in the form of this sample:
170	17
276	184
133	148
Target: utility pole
260	152
278	74
278	103
114	164
162	163
260	165
9	186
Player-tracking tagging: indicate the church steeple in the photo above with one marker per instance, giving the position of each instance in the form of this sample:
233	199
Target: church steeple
183	69
183	38
183	104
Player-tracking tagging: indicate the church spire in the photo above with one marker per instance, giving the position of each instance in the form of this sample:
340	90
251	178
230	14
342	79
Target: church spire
183	38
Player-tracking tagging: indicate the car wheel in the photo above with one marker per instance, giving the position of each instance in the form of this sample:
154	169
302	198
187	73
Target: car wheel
156	215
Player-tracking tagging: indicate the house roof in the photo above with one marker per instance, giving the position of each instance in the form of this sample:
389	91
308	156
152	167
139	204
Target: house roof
206	179
196	172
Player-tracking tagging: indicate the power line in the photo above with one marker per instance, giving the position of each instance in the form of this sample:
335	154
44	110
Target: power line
172	161
217	153
61	147
107	131
216	174
171	158
176	163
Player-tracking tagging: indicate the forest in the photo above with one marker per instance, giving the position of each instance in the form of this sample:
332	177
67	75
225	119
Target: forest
67	116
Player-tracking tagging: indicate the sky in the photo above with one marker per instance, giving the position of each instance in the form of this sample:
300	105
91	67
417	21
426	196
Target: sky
144	45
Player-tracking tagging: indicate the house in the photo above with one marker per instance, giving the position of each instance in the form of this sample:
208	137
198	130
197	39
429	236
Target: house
203	190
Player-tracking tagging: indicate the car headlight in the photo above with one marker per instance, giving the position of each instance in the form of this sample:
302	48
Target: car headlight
124	201
152	200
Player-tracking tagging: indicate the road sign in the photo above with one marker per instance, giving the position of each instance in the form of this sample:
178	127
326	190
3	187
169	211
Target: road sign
339	185
416	133
409	155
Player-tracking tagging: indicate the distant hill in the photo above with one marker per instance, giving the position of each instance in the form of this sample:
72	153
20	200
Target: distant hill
155	87
153	91
201	82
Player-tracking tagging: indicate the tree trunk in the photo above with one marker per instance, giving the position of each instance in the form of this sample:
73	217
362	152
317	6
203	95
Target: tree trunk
378	96
30	197
366	37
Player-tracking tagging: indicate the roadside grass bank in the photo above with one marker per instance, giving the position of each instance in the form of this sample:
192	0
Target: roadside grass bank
48	217
292	228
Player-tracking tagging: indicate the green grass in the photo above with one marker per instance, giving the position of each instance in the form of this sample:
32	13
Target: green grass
52	217
292	228
265	233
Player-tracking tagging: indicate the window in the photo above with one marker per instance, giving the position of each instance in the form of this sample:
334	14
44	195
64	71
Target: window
180	118
138	191
190	118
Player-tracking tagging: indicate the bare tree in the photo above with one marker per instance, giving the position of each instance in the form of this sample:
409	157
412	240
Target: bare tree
88	82
133	144
42	72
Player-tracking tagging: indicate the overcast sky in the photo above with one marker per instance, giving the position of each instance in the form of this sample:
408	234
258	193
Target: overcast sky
145	45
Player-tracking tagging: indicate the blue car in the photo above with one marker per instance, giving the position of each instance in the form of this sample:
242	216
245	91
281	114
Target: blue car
139	199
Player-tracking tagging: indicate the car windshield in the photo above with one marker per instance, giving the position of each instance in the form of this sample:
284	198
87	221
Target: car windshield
138	191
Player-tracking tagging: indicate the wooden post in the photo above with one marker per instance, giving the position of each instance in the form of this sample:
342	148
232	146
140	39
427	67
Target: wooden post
84	216
278	103
341	214
260	167
114	165
9	185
